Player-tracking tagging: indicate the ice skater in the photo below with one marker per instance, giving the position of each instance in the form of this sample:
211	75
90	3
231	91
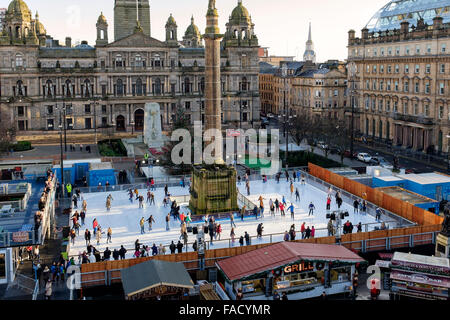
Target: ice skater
311	209
297	195
291	208
141	223
150	221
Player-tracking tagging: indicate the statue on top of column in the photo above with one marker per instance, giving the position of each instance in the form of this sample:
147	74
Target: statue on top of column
212	4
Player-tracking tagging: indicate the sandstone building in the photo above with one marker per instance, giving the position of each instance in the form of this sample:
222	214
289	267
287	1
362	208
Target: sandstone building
107	85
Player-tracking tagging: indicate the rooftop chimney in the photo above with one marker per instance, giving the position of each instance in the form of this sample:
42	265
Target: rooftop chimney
68	42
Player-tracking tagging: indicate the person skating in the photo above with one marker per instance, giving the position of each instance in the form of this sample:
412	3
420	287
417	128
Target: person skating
281	205
297	195
109	236
277	205
243	212
259	230
292	189
150	221
48	289
232	236
328	203
313	232
247	186
172	248
141	202
378	214
232	224
218	231
356	206
108	202
99	235
75	201
311	209
291	208
211	230
167	222
255	212
82	216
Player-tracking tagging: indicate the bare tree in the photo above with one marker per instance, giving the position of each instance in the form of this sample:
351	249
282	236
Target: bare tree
304	126
7	133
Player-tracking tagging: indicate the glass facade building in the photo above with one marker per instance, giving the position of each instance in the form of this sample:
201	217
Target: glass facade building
395	12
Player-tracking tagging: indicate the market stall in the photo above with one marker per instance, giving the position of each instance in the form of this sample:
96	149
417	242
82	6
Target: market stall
155	279
420	277
302	270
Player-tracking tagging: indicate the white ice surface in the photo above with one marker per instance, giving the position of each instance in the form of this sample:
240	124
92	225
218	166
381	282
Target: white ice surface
124	217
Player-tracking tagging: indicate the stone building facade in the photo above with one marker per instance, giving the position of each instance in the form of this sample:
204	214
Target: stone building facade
107	86
402	84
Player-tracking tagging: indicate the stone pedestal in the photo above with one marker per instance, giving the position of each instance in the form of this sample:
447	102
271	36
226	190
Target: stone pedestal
213	189
442	246
152	126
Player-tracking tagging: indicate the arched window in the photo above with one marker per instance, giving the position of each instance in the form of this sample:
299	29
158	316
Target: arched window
157	60
119	87
138	61
20	89
172	35
49	89
87	88
68	88
18	35
236	34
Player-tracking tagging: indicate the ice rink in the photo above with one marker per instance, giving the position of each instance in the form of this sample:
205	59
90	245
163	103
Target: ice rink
124	217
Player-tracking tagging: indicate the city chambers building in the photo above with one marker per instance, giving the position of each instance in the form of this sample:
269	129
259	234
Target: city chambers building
402	74
107	85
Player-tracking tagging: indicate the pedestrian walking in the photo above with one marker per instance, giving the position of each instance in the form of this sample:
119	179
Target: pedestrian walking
167	222
356	206
87	236
232	224
109	236
48	289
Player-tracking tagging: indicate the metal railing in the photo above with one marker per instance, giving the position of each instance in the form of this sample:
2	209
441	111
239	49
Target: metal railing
364	246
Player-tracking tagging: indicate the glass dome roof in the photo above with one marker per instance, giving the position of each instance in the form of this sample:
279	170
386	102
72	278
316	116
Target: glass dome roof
397	11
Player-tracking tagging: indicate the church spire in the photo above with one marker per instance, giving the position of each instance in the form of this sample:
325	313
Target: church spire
309	54
309	34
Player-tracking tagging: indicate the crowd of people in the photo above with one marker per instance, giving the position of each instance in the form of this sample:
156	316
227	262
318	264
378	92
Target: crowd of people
212	229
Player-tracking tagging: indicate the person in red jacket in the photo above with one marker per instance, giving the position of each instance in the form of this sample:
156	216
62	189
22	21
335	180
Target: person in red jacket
328	203
302	230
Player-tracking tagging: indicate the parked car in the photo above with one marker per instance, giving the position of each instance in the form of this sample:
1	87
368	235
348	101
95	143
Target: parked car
322	145
334	149
380	161
364	157
264	121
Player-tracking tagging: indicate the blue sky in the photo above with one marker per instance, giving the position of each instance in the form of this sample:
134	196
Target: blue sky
281	25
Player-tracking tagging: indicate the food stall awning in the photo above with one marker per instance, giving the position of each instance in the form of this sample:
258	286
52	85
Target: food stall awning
421	278
283	253
153	273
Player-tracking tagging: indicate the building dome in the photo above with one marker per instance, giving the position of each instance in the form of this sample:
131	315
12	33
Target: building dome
397	11
18	6
192	30
240	14
171	21
102	19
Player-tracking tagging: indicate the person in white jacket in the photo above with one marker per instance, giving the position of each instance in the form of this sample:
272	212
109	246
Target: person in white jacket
48	289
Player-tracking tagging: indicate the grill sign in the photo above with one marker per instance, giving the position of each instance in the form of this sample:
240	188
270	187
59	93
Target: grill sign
300	267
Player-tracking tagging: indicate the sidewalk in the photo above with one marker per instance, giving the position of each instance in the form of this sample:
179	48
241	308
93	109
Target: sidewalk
49	150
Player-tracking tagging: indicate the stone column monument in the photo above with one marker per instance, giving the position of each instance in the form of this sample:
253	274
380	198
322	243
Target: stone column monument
213	187
443	238
152	126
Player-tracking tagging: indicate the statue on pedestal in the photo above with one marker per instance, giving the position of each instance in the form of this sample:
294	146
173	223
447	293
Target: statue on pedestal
152	126
446	223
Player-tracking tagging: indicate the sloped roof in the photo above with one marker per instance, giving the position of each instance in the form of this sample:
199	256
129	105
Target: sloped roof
270	257
137	40
154	273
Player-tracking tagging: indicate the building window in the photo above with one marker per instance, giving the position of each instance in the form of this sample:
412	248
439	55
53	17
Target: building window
442	68
406	68
389	69
104	122
375	69
69	123
417	68
443	48
427	88
20	111
49	110
388	86
427	110
19	60
397	68
88	123
397	51
416	87
381	85
395	106
407	50
406	86
50	124
103	109
382	68
441	88
441	112
428	48
388	105
427	68
87	108
382	52
187	105
405	107
417	49
396	86
416	109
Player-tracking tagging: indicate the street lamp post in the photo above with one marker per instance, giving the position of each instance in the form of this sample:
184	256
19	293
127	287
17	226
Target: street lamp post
352	72
64	125
61	148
